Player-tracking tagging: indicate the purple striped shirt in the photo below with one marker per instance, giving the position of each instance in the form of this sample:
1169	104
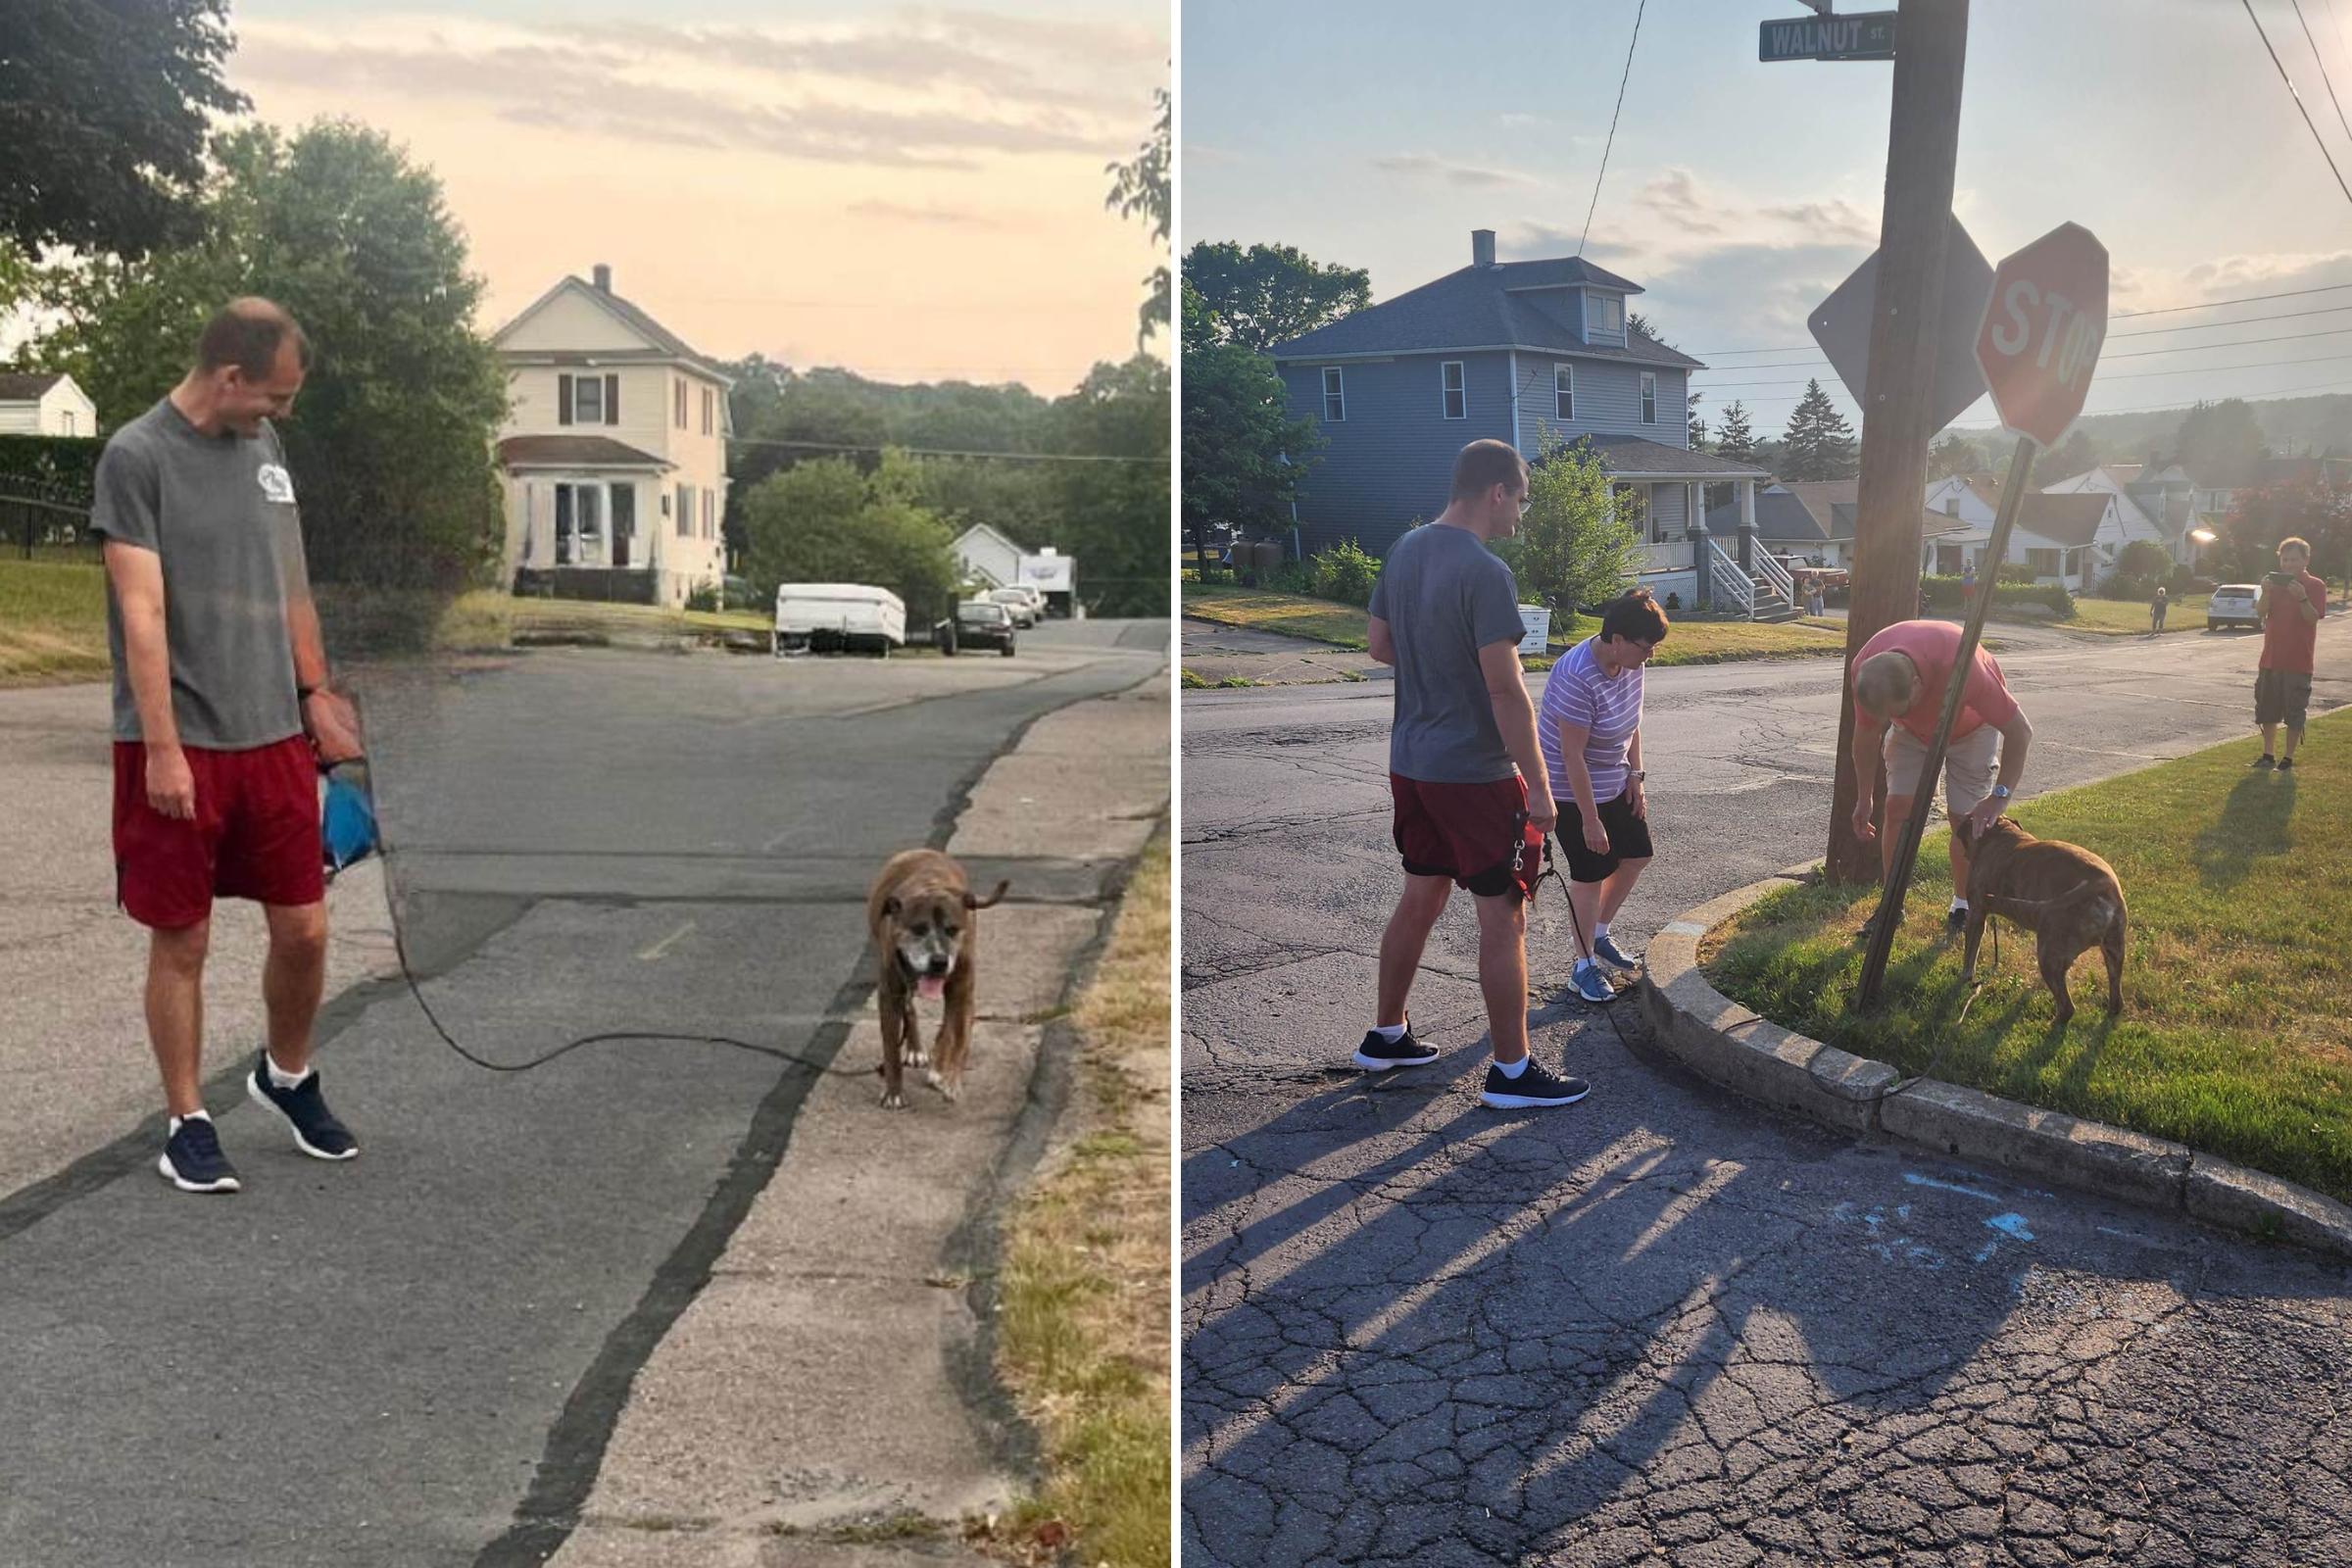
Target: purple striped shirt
1609	706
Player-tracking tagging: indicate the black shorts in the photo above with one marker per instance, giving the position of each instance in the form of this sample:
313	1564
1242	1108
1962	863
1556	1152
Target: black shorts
2281	694
1629	838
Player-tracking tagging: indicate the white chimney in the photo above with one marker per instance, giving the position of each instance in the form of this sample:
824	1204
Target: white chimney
604	278
1482	248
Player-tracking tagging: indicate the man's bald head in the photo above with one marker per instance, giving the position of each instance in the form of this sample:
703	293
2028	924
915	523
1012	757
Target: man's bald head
250	333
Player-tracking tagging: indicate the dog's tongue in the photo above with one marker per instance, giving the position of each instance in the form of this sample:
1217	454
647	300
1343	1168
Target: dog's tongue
931	988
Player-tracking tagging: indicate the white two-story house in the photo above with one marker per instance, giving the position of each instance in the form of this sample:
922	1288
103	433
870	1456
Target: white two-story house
615	451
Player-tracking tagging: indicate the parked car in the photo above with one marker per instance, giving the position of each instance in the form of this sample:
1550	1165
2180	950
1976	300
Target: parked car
2233	605
978	623
837	617
1024	601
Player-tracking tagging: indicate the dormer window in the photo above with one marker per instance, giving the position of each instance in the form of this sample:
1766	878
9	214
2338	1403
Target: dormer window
1604	312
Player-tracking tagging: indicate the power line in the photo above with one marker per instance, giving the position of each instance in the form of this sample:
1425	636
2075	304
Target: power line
2126	375
1612	141
2234	343
2298	98
2243	320
943	452
2321	60
2112	315
1820	363
2215	305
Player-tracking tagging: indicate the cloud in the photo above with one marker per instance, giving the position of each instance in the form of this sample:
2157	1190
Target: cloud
1199	155
940	89
1828	222
1425	166
2134	288
940	217
1675	197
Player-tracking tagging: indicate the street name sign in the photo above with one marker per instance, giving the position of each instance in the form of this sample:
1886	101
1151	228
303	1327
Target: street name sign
1858	35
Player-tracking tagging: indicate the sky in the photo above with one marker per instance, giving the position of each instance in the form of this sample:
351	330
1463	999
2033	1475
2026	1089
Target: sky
1738	194
912	192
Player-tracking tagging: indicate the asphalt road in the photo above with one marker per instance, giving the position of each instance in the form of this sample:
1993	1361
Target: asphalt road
378	1362
1663	1326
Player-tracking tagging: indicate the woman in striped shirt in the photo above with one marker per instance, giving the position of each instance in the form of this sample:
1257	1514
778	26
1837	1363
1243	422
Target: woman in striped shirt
1590	732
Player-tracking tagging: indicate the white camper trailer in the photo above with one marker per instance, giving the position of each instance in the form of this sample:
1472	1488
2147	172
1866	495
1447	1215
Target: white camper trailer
836	617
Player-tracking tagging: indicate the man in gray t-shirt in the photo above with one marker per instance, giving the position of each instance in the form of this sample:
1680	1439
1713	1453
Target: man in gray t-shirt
1472	799
222	719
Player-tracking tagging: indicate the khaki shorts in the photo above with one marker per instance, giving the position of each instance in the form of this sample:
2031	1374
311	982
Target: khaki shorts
1967	765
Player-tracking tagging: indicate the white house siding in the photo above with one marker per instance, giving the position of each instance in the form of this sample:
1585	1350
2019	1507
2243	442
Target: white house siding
63	410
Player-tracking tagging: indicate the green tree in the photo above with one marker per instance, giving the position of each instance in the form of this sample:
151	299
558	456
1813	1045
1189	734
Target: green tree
1143	187
2078	453
1954	454
104	108
2219	444
1268	294
1577	544
2261	514
1022	501
828	521
390	442
1732	437
1819	444
1237	431
1114	508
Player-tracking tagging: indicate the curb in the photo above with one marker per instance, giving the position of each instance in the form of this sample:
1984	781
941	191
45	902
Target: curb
1737	1049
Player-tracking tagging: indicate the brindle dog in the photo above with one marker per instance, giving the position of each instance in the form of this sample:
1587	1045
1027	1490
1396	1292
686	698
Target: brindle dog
2065	895
925	940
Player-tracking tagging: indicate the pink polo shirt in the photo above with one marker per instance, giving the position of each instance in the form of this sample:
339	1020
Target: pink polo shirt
1933	646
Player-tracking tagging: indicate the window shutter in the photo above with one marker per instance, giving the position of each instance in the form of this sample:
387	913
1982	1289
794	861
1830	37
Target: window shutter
612	400
562	400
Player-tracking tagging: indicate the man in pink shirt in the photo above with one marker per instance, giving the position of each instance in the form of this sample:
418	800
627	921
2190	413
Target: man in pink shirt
1899	683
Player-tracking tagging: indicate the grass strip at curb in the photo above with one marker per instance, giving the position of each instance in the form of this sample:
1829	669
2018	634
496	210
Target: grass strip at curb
1084	1326
52	622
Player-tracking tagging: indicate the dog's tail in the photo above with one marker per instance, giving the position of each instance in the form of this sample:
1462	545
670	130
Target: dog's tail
971	902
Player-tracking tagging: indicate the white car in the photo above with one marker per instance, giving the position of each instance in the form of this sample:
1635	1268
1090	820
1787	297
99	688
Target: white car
1026	604
2233	605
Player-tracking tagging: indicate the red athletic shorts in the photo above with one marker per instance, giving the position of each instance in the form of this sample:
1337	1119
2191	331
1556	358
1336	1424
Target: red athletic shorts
1467	832
255	834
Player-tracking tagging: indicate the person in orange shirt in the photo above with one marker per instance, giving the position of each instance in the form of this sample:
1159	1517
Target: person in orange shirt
1899	681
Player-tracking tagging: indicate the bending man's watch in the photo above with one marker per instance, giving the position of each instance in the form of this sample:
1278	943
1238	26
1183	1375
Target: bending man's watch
2000	792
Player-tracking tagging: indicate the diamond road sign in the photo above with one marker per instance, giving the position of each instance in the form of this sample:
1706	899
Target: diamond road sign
1863	36
1842	326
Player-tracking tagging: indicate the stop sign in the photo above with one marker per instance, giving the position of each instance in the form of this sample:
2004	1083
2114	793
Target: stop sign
2043	325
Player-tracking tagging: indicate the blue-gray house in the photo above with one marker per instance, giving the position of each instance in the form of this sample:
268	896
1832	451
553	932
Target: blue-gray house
1517	350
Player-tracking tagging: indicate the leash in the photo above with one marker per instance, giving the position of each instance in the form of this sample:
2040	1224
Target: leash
1519	848
350	830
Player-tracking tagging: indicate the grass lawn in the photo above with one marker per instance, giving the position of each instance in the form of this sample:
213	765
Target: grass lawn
1084	1318
1691	641
2115	618
2237	1032
52	622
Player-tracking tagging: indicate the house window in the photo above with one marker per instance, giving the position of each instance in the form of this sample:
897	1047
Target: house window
2044	563
1335	396
710	513
1455	396
1649	398
685	512
1563	391
678	402
587	400
709	411
1604	312
69	417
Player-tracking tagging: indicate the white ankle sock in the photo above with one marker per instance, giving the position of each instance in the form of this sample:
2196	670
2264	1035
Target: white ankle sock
1512	1069
282	1078
1601	928
1391	1032
1960	905
193	1115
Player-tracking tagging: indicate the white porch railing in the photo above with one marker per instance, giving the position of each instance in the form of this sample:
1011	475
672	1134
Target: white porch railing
1770	573
1669	555
1730	585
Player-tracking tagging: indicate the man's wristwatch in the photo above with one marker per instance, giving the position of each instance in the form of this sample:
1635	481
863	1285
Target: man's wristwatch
2000	792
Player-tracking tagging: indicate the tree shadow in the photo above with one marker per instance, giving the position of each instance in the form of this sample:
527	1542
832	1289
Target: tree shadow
2253	827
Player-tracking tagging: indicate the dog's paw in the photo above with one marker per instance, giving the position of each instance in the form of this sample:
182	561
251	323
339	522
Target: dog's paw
1968	977
948	1091
893	1100
917	1057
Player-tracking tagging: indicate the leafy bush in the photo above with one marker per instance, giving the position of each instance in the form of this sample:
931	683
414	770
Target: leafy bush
2128	588
1343	573
2185	581
2145	560
2015	571
1291	577
1943	593
704	596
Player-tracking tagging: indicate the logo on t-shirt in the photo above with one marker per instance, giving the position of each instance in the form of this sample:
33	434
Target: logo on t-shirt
278	484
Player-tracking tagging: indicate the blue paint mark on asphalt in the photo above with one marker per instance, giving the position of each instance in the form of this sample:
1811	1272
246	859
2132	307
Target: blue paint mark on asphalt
2011	1225
1917	1180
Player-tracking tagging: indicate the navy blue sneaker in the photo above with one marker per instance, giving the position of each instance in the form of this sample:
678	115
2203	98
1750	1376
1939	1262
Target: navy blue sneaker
316	1133
1531	1089
1605	948
1589	981
192	1161
1377	1054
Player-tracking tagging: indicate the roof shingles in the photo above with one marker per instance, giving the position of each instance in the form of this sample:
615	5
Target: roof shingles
1481	307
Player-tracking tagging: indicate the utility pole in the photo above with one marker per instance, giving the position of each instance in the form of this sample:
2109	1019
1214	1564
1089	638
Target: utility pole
1923	145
